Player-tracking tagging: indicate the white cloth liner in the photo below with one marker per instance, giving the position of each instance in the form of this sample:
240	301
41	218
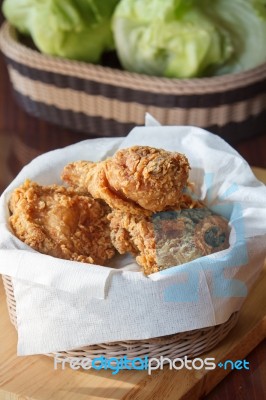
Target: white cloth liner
63	305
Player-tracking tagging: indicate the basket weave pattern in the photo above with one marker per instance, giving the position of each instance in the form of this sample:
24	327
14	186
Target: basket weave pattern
109	102
190	344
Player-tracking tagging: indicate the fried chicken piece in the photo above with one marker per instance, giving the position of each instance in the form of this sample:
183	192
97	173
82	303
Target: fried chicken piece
78	174
153	178
169	238
139	179
61	222
134	234
91	177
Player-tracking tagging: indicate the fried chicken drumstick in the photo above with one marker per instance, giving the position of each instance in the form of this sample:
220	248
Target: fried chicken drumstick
138	180
61	222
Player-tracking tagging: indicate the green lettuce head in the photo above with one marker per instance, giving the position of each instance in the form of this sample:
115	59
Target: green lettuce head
189	38
76	29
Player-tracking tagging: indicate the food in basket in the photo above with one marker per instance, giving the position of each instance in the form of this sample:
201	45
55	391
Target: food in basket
79	30
171	38
184	39
61	222
153	216
139	201
138	179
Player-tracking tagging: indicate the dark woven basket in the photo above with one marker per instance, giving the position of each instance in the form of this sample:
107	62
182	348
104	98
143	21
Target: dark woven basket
105	101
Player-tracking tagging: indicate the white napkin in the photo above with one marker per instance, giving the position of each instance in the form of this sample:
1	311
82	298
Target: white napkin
63	305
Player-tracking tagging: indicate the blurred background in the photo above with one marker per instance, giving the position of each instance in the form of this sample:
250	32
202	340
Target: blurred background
23	137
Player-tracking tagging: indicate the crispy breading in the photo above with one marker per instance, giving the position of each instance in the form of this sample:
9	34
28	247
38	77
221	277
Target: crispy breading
138	180
76	174
61	222
152	178
134	234
154	214
89	176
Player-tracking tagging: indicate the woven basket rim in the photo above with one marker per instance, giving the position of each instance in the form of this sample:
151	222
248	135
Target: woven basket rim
11	46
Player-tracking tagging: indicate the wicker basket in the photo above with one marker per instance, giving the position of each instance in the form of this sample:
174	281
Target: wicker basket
105	101
190	344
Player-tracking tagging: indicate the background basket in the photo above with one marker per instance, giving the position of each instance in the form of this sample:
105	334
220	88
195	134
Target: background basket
190	344
104	101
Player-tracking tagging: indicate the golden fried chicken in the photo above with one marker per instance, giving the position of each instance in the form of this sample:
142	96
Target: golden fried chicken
139	179
153	178
91	177
61	222
134	234
169	238
153	215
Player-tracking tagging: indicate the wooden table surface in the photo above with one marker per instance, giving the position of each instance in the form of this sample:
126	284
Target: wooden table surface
23	137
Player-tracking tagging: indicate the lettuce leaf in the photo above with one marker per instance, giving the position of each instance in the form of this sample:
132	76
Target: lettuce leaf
189	38
76	29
